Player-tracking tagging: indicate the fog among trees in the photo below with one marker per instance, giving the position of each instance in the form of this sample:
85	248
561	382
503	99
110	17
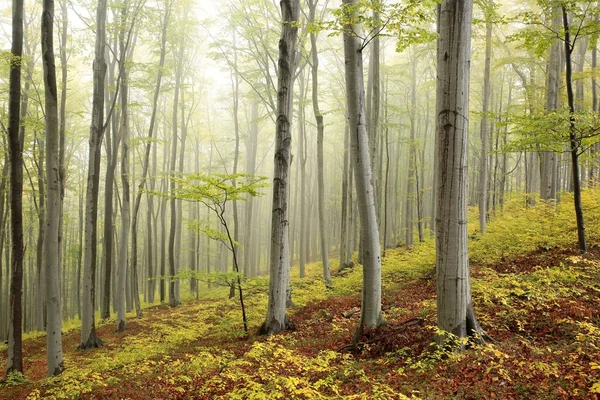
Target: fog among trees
161	152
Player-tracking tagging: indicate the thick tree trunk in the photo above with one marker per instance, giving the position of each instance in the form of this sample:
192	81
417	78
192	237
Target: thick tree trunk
15	148
371	315
51	240
455	310
276	319
88	321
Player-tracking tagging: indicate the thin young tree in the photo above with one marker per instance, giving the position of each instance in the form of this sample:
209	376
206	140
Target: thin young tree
312	7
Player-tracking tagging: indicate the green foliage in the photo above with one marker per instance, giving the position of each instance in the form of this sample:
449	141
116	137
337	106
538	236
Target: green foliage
218	188
410	21
550	131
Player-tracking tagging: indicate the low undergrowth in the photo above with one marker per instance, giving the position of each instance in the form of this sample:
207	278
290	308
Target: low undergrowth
533	293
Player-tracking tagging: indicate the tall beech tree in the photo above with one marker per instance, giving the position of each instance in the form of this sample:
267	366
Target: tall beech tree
312	7
279	263
53	210
454	304
15	149
88	321
371	315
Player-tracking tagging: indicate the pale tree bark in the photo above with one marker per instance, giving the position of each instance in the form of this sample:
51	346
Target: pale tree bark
346	226
371	315
373	105
455	309
302	145
53	212
88	322
276	319
312	5
3	218
112	145
64	24
548	159
251	145
145	165
173	299
15	148
126	197
485	126
412	159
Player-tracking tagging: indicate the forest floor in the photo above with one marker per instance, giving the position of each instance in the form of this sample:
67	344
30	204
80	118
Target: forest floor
535	295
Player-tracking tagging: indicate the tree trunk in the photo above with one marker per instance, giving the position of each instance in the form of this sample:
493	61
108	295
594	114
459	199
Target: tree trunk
346	227
574	141
484	127
312	5
455	309
276	319
51	240
548	158
173	300
251	145
371	315
88	321
15	148
126	197
145	165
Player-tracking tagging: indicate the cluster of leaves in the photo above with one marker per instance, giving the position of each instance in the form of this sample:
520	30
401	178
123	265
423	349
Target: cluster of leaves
550	131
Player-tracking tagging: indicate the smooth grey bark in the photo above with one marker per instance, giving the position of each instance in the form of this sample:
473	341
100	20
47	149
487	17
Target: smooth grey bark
412	159
126	197
51	241
279	269
454	305
173	300
346	225
312	5
373	101
251	146
112	145
64	24
41	272
15	148
548	159
484	127
3	218
88	321
371	315
145	166
302	149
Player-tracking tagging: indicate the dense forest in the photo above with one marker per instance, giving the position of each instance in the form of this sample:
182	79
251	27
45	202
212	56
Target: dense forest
299	199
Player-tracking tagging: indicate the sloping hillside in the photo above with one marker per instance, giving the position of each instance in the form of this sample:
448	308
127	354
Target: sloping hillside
534	294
